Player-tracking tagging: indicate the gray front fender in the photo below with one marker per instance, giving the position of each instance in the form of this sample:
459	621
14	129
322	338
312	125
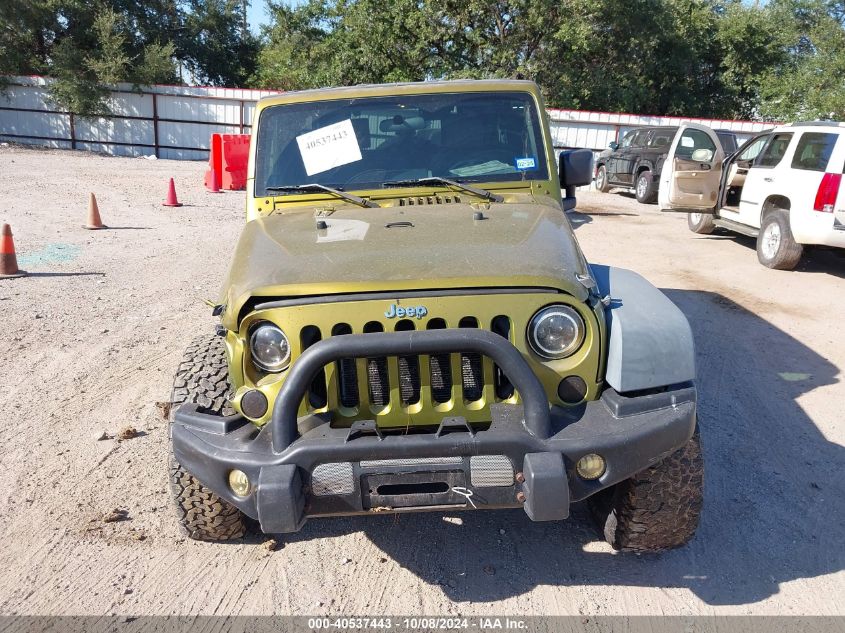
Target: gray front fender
650	339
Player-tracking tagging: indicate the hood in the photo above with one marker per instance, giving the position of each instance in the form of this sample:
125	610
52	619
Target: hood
411	247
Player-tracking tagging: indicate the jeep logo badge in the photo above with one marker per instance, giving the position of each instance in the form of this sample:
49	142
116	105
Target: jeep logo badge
395	311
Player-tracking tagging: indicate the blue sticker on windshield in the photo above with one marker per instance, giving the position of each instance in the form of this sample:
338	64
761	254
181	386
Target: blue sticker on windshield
523	164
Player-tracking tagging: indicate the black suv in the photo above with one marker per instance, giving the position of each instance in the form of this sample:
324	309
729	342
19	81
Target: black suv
635	163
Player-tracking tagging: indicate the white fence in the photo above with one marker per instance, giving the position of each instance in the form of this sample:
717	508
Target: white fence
177	121
165	121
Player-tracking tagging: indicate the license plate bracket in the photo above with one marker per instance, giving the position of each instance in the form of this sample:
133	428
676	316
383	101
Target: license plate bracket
415	489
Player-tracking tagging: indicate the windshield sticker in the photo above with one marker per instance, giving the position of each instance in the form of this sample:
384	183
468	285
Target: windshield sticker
523	164
329	147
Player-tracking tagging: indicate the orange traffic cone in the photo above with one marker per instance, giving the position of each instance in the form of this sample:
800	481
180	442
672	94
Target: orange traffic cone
171	196
215	182
94	221
8	260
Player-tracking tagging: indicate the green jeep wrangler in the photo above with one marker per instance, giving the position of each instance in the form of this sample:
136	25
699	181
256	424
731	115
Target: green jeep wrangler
409	324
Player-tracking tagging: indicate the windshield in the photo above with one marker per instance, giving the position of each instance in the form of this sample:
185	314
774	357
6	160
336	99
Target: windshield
362	143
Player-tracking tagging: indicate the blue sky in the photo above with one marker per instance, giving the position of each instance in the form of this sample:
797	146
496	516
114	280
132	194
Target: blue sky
258	15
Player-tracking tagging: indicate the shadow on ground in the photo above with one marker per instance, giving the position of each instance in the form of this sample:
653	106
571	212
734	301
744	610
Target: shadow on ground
577	218
816	259
775	501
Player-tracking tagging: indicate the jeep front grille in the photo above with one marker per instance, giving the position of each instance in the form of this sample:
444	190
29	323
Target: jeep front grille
363	387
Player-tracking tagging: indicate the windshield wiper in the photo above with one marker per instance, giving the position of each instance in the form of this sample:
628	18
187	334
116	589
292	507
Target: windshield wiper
318	187
437	180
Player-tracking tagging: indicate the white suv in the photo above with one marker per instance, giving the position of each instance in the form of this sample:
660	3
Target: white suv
782	187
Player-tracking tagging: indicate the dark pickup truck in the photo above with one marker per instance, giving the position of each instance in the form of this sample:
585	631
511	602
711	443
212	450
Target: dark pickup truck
636	161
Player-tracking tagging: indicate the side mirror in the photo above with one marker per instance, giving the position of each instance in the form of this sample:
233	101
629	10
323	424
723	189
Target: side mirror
575	168
702	155
614	145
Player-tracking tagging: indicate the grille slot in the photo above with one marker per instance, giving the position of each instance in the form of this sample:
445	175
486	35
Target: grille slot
317	396
503	388
440	367
472	372
347	374
472	376
409	371
378	382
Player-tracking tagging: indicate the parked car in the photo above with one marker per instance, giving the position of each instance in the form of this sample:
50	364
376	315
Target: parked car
782	187
728	140
409	324
635	163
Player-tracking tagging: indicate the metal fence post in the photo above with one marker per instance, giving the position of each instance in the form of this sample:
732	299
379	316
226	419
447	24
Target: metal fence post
72	130
155	125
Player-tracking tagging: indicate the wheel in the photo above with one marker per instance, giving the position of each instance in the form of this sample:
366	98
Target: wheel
657	509
701	223
776	247
645	188
601	179
203	377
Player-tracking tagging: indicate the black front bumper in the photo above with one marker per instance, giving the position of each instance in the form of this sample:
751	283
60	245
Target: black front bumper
542	445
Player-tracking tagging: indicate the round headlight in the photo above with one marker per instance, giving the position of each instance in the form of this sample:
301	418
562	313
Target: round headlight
269	347
556	332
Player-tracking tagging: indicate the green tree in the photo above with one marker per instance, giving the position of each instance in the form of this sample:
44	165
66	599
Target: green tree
215	46
645	56
808	84
87	44
641	55
752	40
342	42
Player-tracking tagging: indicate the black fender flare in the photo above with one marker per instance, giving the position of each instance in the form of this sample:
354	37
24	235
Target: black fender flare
648	165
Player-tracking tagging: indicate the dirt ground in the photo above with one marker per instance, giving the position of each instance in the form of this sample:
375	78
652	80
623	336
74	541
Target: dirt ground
91	338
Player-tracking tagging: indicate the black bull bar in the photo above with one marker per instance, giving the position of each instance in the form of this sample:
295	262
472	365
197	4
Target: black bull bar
542	443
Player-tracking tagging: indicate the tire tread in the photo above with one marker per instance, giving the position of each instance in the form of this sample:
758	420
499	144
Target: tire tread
657	509
790	252
202	378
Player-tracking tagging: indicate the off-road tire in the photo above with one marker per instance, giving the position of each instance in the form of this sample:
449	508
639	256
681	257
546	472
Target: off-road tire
646	193
203	378
601	179
701	223
787	253
657	509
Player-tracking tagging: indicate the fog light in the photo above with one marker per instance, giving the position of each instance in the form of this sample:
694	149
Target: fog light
254	404
572	389
239	482
590	466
